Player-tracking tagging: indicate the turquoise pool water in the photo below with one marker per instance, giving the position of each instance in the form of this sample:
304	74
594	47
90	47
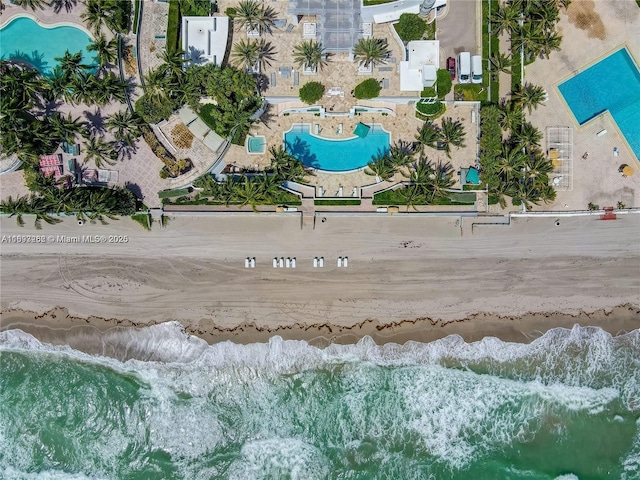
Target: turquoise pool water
612	84
335	155
256	144
24	40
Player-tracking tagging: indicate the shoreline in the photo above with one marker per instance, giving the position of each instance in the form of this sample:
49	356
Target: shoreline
58	327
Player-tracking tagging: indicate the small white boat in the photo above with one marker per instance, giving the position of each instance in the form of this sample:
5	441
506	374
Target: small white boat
275	262
315	262
246	262
321	262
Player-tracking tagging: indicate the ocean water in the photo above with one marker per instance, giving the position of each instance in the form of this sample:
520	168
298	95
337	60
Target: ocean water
564	407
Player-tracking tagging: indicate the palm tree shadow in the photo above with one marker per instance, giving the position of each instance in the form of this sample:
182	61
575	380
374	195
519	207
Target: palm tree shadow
126	151
302	151
34	60
267	117
96	121
68	5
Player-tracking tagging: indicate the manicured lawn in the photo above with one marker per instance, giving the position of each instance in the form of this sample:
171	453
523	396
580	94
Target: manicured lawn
490	45
173	193
143	219
136	12
396	197
173	26
516	70
470	92
346	201
368	3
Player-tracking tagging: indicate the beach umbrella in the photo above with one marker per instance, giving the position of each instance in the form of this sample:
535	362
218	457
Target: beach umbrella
627	170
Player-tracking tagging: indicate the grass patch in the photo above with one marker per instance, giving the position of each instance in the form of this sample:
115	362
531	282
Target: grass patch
143	219
178	192
431	110
516	72
389	197
173	26
494	199
490	44
136	12
443	83
346	201
368	3
397	197
470	92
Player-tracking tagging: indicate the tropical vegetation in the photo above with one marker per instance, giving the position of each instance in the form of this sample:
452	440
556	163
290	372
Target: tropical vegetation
369	88
371	51
410	27
253	15
309	55
311	92
252	55
114	14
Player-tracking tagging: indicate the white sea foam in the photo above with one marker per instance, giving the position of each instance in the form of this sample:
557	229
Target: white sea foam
279	458
10	473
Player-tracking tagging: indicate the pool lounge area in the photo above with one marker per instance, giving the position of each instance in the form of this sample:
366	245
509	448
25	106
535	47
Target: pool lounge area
612	85
337	155
25	40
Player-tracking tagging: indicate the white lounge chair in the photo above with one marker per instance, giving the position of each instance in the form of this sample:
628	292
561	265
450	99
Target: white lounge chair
246	262
275	262
321	262
339	262
293	262
345	262
288	262
315	262
253	262
281	262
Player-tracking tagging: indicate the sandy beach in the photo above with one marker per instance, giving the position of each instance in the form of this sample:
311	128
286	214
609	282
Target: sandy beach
418	278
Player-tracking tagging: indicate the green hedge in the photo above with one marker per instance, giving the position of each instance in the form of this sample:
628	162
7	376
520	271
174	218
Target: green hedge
136	12
173	26
346	201
370	88
311	92
178	192
410	27
431	109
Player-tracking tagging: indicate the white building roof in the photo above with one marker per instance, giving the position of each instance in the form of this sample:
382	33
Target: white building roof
204	39
420	69
390	12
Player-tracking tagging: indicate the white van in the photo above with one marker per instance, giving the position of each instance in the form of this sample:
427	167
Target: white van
476	69
464	67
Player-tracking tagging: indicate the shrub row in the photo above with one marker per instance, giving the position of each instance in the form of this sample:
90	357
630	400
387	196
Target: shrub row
173	167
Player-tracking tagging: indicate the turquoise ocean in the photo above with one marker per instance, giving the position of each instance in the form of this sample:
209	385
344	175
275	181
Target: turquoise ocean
167	405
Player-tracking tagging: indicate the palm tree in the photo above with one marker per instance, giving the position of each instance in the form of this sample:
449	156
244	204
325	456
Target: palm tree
244	54
413	196
505	18
537	169
452	134
309	55
500	63
252	15
96	14
510	162
71	65
529	96
249	193
371	51
429	134
527	136
106	50
439	181
172	65
66	128
126	126
17	208
285	166
511	117
266	52
100	151
32	4
381	167
58	5
401	153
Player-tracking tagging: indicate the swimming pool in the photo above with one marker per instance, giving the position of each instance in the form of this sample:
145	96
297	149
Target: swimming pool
256	145
22	39
612	84
335	155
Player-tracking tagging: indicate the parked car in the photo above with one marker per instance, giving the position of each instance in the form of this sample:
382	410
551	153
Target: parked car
464	67
476	69
451	66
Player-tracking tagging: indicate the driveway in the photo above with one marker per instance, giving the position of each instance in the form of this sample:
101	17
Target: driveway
457	30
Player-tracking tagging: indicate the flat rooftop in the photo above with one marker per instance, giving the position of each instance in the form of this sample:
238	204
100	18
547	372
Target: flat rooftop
204	39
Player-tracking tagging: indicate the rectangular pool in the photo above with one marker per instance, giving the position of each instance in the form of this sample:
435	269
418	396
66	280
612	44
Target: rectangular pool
612	84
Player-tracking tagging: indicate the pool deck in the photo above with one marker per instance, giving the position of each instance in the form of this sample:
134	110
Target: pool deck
595	179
